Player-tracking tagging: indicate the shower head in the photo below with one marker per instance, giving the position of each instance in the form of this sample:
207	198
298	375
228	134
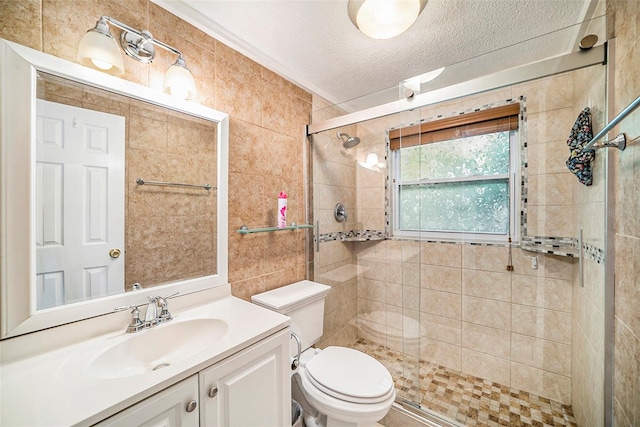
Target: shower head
348	141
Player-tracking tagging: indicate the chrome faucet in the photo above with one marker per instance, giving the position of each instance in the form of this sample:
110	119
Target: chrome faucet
164	315
151	317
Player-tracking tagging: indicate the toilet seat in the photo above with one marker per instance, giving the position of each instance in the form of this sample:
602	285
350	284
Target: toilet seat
349	375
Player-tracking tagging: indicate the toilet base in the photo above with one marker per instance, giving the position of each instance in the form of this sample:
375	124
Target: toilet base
324	421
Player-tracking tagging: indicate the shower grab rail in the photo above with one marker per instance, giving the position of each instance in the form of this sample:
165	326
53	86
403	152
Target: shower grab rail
141	181
619	141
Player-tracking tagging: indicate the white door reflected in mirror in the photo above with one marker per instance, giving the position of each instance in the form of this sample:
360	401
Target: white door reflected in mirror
79	203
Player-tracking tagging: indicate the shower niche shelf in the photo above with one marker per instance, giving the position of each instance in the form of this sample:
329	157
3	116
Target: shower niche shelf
246	230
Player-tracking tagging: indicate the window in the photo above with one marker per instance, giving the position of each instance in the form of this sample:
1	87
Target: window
455	178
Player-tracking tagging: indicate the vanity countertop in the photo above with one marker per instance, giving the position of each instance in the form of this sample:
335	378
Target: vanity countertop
55	388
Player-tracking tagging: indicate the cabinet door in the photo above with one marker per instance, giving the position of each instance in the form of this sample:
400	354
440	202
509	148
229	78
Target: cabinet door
172	407
251	388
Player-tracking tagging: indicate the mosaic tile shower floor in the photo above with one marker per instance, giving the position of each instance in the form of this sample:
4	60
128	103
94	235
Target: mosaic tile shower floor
466	399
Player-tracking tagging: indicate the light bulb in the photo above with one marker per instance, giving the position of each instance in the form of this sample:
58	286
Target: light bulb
179	82
103	65
99	50
383	19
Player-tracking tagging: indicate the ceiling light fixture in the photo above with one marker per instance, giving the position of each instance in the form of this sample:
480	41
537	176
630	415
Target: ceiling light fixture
98	49
383	19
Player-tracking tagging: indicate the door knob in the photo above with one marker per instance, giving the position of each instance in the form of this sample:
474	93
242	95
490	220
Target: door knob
114	253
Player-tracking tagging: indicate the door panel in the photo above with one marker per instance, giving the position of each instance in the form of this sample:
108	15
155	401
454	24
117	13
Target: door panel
79	203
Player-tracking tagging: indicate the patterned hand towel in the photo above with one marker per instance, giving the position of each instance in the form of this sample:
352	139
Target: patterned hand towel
579	162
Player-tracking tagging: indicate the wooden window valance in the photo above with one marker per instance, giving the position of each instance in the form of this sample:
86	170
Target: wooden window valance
498	119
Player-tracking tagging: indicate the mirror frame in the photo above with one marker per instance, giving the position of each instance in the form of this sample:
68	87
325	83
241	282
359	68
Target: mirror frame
18	70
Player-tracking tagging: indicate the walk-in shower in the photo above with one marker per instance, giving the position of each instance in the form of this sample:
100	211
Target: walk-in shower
466	338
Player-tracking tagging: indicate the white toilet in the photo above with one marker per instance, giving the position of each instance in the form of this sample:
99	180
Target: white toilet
342	387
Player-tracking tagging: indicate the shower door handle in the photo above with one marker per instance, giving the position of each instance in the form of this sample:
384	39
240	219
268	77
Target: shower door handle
318	236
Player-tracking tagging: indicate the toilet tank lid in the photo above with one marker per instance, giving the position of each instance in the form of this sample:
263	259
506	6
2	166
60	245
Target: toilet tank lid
291	296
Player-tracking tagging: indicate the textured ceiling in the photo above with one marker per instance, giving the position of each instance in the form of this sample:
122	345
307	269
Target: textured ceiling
314	44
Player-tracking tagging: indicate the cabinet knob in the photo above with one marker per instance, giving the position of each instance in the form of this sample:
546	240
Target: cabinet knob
213	392
191	406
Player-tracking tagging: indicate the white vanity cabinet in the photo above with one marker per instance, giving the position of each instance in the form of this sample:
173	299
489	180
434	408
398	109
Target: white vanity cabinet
173	407
251	388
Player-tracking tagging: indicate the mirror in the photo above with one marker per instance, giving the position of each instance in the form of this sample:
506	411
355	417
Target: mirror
86	206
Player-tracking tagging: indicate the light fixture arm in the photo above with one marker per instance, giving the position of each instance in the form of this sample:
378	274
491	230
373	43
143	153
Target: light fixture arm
138	44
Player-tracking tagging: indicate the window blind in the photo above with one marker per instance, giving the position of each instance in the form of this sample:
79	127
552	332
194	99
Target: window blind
498	119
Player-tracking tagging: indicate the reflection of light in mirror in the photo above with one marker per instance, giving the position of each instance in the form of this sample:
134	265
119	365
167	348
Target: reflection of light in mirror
414	83
372	159
372	162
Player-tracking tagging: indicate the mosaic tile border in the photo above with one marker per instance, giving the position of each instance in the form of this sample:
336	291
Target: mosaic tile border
353	236
562	246
593	252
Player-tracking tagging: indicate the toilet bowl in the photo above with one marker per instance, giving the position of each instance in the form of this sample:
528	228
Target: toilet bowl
337	386
348	386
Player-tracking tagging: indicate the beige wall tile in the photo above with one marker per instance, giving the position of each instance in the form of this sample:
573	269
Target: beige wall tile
547	355
373	290
554	294
551	93
543	383
626	382
442	353
486	312
496	342
486	258
487	284
627	286
443	304
537	322
444	254
486	366
411	252
551	189
441	328
21	22
446	279
548	157
411	274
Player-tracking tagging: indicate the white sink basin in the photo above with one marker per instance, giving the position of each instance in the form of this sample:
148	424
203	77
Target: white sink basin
156	348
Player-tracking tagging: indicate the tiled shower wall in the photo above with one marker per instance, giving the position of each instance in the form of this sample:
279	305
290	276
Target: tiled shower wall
624	25
470	313
587	359
333	180
267	119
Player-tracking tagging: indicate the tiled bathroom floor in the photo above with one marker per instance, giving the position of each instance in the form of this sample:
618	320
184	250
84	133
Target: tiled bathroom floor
469	400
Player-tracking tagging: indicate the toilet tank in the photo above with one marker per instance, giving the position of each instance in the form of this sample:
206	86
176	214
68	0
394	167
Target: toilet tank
303	302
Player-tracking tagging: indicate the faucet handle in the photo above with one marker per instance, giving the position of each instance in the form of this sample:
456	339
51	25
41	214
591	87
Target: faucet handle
136	325
164	315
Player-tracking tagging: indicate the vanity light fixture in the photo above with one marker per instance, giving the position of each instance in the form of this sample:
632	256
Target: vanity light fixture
98	49
383	19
